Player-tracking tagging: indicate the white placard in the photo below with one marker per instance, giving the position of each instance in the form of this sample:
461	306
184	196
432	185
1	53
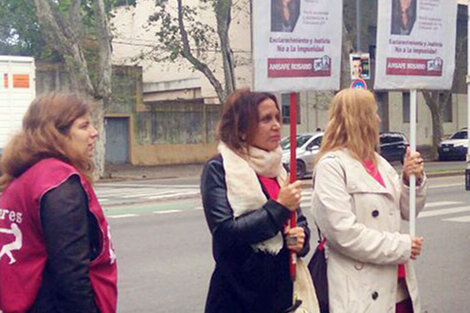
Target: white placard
297	44
416	44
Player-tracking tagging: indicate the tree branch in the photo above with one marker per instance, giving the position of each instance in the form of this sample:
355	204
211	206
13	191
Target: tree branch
61	36
200	66
103	85
223	10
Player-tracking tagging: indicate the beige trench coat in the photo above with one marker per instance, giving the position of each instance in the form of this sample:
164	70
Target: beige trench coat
361	221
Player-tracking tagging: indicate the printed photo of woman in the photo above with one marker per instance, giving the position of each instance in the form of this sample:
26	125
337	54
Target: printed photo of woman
284	15
403	16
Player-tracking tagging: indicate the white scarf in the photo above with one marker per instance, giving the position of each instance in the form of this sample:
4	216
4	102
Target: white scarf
244	191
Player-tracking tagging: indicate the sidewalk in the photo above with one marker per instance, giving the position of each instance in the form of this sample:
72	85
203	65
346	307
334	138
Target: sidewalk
136	172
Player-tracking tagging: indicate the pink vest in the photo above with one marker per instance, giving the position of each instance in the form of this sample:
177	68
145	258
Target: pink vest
23	253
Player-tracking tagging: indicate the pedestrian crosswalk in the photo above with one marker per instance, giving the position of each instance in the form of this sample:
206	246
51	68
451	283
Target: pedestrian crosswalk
126	193
457	211
442	209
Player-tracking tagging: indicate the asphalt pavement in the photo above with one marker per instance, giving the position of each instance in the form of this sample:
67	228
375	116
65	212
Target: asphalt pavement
136	172
165	259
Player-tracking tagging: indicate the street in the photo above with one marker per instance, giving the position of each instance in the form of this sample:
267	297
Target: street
165	262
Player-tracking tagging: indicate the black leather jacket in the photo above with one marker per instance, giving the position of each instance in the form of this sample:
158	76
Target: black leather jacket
231	233
72	238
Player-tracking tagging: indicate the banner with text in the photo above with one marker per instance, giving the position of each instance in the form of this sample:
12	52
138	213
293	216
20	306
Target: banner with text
296	44
416	44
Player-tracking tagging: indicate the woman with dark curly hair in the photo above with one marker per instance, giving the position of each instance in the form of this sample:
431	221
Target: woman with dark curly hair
248	202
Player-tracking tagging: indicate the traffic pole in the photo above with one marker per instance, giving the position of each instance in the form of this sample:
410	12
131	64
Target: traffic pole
412	178
293	173
467	170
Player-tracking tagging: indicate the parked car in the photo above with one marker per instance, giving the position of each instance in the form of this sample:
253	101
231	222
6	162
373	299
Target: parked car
392	147
308	145
455	147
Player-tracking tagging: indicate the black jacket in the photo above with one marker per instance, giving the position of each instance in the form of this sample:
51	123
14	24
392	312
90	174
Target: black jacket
245	281
72	241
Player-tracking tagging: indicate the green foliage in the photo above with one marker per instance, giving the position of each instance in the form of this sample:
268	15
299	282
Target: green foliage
203	39
20	32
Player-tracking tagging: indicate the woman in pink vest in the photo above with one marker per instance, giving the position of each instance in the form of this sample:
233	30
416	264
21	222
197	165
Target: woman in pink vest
55	248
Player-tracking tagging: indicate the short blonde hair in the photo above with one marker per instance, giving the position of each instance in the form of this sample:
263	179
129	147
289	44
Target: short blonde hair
352	124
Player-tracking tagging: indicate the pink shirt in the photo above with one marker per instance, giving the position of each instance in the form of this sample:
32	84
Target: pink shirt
271	186
373	171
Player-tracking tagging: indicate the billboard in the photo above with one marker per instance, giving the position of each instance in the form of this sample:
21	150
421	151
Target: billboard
416	44
296	44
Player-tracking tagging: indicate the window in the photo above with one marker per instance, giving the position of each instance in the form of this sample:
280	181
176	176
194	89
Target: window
300	141
459	135
315	142
285	107
446	99
406	108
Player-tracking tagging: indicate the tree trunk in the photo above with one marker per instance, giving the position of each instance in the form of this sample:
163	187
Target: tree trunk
200	66
347	46
97	118
435	105
64	34
222	10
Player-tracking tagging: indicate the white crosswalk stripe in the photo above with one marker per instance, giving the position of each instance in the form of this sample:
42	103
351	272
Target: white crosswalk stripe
167	212
131	193
441	203
438	208
122	215
440	212
460	219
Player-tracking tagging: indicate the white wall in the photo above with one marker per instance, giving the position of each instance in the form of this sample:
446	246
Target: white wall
132	36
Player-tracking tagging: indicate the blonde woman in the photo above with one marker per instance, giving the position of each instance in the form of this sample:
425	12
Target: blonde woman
359	202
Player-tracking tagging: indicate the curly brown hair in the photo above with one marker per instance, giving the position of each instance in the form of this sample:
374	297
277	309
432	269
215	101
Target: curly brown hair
240	118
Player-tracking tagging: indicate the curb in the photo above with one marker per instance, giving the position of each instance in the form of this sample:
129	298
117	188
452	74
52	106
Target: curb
445	174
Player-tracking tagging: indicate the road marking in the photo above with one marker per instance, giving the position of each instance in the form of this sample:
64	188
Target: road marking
461	219
199	208
444	211
167	211
122	215
441	203
174	195
445	186
144	185
142	195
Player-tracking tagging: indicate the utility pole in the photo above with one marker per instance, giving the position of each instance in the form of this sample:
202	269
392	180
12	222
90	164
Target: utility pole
358	26
467	170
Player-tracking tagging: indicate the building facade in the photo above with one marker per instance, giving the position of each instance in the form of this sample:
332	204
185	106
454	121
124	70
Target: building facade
176	85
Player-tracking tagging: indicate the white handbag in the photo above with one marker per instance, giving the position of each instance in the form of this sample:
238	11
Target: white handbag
304	289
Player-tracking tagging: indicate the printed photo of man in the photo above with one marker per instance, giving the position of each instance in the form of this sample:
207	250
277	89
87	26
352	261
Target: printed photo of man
284	15
403	16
